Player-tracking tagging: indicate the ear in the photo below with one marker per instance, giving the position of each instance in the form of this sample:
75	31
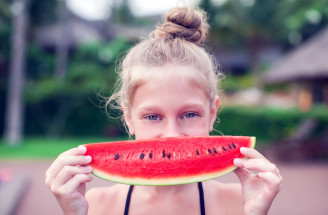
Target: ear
128	120
213	112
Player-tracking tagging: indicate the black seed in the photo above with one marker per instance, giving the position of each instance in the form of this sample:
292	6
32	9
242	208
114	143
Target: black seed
163	153
233	145
117	156
209	151
169	156
142	156
151	155
197	152
214	150
229	146
224	148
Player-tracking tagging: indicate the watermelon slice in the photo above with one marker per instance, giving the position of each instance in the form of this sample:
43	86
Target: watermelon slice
166	161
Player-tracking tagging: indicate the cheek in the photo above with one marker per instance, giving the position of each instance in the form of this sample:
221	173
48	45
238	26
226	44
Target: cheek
196	127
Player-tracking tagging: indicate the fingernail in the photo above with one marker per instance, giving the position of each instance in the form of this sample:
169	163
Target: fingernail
237	161
82	148
88	158
243	149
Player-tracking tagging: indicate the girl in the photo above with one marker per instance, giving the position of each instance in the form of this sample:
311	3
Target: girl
168	89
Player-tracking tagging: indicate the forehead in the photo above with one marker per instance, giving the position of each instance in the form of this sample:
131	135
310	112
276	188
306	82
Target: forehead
169	94
169	73
172	88
164	70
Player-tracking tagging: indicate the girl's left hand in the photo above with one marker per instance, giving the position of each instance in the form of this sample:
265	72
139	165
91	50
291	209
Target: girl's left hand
259	189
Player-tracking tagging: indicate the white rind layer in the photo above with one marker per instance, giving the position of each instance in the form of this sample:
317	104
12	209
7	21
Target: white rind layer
162	182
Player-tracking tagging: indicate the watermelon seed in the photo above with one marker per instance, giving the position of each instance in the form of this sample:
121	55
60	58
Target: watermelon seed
142	156
169	156
215	150
197	152
163	153
224	148
233	145
229	146
151	155
117	156
209	151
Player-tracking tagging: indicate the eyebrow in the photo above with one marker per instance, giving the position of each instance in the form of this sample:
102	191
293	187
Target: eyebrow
153	108
150	108
193	106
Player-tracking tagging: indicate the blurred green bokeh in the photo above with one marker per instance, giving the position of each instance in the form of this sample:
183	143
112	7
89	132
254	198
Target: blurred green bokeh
41	148
73	106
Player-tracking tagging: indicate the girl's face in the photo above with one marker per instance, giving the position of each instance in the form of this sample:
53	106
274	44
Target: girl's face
170	106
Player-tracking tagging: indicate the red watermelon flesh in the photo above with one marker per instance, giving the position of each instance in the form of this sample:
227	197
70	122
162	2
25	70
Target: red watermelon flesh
167	161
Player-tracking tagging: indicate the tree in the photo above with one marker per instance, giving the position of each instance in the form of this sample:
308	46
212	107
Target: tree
15	107
62	41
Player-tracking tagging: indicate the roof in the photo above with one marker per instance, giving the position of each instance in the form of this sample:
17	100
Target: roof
76	31
309	61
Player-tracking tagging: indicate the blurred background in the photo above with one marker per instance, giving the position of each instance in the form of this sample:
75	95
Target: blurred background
58	60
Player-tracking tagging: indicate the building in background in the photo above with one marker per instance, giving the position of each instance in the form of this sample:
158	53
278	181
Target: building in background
306	67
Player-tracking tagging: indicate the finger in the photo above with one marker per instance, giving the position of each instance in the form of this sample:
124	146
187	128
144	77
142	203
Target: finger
62	161
76	181
69	171
259	164
271	178
80	150
251	153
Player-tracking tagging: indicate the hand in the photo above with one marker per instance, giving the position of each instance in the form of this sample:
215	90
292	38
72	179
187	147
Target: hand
67	177
259	189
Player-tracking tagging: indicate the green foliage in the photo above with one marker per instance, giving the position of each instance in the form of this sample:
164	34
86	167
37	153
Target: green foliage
43	12
267	124
82	79
5	29
41	148
237	24
40	62
73	102
74	105
234	83
105	53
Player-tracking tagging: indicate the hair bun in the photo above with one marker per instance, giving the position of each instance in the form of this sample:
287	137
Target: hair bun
189	24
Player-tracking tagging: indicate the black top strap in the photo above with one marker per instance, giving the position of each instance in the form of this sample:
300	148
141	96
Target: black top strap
201	198
127	202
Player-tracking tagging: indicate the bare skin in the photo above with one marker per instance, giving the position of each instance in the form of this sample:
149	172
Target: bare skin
167	106
219	199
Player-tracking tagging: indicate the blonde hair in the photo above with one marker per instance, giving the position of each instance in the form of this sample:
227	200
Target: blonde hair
178	41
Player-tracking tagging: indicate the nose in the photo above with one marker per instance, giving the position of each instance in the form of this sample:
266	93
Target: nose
172	129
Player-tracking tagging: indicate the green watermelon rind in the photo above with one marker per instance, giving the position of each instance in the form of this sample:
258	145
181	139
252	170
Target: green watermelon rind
167	181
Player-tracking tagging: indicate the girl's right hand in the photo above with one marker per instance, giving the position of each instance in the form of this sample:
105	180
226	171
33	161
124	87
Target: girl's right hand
67	177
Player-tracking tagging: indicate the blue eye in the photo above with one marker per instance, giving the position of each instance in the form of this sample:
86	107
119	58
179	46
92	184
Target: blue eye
190	115
152	117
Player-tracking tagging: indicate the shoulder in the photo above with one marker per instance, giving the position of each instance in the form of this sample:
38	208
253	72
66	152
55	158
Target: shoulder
223	197
104	199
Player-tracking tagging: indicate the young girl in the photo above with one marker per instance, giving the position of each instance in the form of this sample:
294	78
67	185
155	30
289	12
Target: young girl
168	89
